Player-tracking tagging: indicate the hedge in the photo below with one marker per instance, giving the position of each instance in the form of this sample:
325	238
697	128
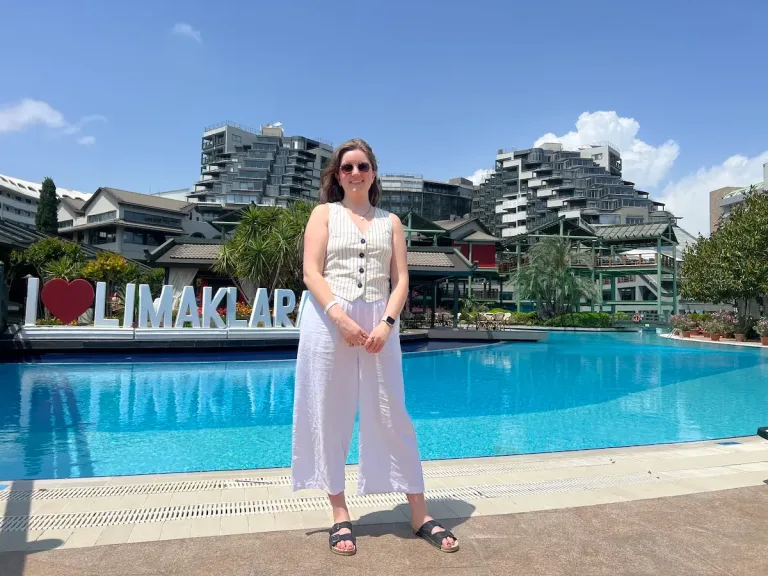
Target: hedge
581	320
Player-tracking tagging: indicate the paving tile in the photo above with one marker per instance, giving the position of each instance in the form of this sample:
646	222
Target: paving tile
233	495
109	503
261	523
206	527
48	507
132	502
146	532
175	529
208	497
76	505
17	541
233	525
115	535
83	538
183	499
50	540
157	500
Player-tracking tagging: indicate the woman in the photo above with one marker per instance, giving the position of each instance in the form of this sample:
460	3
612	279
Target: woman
349	351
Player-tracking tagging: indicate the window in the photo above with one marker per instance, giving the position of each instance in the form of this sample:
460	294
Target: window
104	216
103	237
136	237
631	220
66	223
237	138
151	219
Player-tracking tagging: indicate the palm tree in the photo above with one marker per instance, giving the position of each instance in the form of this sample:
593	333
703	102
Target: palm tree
549	278
266	249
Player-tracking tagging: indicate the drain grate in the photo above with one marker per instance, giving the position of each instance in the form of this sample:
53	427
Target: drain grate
164	514
227	484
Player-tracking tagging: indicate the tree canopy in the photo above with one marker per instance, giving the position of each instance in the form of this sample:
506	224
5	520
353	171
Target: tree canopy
267	249
549	279
47	218
731	266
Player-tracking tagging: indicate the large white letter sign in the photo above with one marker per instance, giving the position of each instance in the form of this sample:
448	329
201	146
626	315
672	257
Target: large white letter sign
260	311
130	305
209	307
33	295
100	306
187	309
148	314
282	309
232	321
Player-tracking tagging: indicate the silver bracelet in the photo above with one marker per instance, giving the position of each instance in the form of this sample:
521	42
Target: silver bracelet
329	306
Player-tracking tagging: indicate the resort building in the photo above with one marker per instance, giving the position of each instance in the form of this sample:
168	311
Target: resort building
19	198
430	199
128	223
724	200
531	187
241	166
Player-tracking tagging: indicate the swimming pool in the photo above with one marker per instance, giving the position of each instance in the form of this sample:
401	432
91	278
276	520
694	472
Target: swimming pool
574	391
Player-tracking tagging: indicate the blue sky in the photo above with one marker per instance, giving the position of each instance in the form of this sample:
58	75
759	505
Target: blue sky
100	93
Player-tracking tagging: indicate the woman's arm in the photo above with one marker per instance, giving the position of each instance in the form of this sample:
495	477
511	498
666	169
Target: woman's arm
399	270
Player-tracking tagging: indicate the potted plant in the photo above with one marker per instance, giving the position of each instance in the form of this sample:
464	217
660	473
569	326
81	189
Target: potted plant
743	326
762	330
714	327
681	324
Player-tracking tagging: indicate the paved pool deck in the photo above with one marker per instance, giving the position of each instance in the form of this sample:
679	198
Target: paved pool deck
694	508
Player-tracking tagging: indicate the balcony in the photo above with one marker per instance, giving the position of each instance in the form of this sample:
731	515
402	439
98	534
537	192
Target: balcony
555	203
545	192
570	213
526	175
535	183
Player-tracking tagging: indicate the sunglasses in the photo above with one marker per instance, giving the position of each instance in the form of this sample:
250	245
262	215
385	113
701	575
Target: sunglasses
362	167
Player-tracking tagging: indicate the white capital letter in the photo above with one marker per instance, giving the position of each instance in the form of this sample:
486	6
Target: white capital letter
260	312
187	309
281	310
232	320
33	293
130	304
98	309
148	314
209	307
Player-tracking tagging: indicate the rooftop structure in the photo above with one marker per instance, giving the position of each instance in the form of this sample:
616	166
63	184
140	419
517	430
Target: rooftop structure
431	199
728	198
19	199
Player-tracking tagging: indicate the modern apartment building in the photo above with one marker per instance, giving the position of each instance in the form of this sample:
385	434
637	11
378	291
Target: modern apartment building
724	200
430	199
241	166
533	186
19	198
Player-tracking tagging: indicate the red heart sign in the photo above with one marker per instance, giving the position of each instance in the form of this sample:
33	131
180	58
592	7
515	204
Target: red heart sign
67	300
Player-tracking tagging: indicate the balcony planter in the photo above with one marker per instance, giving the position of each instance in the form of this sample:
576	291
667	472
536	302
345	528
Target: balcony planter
714	337
687	334
764	340
740	337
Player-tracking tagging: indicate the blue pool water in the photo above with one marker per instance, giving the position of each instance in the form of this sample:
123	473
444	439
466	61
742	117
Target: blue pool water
573	391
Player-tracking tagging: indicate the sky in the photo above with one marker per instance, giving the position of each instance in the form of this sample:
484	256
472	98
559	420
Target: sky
118	94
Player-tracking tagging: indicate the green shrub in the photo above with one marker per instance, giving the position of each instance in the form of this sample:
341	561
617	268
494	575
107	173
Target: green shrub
525	319
581	320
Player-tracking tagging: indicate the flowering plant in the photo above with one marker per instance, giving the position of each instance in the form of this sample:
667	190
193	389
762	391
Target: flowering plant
681	322
762	327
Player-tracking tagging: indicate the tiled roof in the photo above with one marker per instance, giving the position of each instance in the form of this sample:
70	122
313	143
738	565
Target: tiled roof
433	259
480	237
75	203
632	231
195	252
451	224
147	200
33	188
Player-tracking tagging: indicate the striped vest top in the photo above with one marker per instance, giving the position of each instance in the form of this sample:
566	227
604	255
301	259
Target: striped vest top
356	264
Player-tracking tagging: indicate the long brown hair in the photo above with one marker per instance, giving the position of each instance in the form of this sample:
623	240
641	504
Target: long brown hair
331	190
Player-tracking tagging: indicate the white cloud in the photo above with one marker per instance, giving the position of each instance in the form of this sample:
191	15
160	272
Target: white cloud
688	198
643	164
186	30
480	175
77	126
27	112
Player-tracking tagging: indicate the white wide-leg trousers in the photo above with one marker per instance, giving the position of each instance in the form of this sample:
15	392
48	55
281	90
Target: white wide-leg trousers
332	379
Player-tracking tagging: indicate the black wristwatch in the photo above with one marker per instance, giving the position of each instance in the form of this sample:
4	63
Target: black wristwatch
389	320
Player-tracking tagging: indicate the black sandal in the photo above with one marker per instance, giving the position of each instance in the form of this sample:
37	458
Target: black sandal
436	539
334	538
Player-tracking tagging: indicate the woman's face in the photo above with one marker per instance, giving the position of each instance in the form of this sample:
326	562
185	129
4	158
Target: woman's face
355	173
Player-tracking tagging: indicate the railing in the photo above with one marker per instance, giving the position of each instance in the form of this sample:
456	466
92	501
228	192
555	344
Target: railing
233	125
508	150
632	260
620	280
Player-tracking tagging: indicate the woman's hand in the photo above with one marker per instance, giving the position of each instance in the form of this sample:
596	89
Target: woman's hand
350	331
378	338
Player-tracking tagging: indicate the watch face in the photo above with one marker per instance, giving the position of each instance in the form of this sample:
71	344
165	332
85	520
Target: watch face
389	320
